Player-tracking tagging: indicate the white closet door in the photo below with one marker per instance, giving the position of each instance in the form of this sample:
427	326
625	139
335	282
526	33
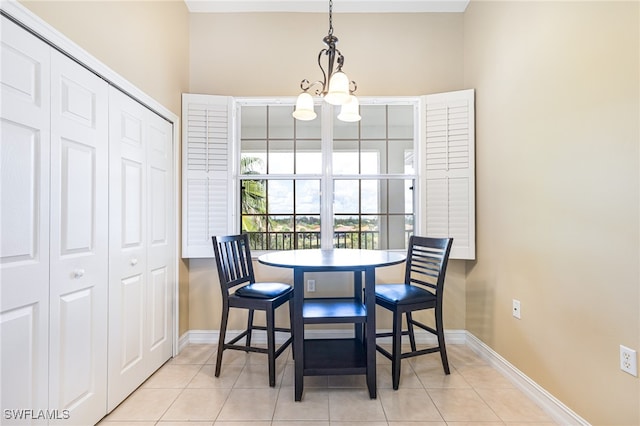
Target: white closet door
140	302
24	220
160	223
127	251
79	241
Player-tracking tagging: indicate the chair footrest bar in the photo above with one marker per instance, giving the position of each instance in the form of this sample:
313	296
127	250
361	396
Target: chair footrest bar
238	337
283	346
245	348
423	326
419	352
384	352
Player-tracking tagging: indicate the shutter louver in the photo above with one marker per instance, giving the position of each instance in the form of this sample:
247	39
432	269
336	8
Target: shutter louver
450	170
207	199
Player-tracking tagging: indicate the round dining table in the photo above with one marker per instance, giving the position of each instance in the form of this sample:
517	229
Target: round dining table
338	356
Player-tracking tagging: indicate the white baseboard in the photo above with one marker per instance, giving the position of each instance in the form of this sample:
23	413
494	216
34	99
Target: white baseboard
550	404
453	337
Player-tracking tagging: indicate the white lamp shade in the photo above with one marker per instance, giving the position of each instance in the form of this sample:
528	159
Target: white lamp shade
338	89
350	111
304	107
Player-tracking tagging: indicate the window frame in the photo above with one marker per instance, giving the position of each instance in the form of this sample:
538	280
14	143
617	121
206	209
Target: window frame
445	188
327	115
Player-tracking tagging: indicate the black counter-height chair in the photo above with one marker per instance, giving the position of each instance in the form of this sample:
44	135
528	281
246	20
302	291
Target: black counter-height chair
422	289
235	271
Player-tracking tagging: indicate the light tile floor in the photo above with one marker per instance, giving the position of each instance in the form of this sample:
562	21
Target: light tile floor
185	392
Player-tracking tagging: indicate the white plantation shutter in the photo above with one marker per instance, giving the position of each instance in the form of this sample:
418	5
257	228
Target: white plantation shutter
207	192
449	179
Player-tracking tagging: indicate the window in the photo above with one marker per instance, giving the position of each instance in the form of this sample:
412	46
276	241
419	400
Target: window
366	168
407	166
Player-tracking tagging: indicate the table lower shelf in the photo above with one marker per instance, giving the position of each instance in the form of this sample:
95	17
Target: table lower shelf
334	357
333	310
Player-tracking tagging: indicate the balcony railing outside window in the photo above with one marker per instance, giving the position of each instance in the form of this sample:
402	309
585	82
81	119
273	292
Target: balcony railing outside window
311	240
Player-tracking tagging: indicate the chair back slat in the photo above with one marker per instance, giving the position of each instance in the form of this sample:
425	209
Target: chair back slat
427	261
233	260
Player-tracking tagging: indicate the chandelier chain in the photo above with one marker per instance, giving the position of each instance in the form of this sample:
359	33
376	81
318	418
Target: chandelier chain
330	17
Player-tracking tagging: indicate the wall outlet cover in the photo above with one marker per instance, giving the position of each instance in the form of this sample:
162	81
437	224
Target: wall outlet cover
628	361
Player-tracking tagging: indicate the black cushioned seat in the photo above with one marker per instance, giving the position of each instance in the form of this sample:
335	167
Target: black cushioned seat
403	294
263	290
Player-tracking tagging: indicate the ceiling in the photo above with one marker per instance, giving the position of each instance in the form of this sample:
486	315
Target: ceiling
322	6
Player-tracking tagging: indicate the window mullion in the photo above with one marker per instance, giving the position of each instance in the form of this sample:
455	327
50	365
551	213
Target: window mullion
326	196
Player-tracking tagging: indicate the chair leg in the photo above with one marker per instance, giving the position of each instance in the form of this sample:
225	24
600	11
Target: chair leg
223	332
271	347
441	343
396	350
291	318
249	328
412	337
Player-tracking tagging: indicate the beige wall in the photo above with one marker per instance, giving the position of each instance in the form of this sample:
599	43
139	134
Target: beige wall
146	42
557	122
268	54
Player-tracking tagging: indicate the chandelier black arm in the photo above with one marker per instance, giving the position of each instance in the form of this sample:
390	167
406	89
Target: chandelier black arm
325	82
306	85
355	87
339	60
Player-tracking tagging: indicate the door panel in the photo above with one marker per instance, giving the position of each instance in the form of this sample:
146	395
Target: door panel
20	154
131	332
158	196
76	346
24	378
140	337
24	220
132	208
77	206
159	297
160	230
79	241
127	250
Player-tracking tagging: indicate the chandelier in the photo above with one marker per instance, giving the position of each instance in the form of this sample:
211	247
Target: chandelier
335	87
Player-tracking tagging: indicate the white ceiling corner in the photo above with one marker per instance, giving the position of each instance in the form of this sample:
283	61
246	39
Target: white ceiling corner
322	6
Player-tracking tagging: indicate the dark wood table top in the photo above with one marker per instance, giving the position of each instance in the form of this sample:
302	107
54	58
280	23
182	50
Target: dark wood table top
332	260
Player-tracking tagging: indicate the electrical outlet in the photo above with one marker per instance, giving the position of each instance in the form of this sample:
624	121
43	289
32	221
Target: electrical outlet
628	361
311	286
516	308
